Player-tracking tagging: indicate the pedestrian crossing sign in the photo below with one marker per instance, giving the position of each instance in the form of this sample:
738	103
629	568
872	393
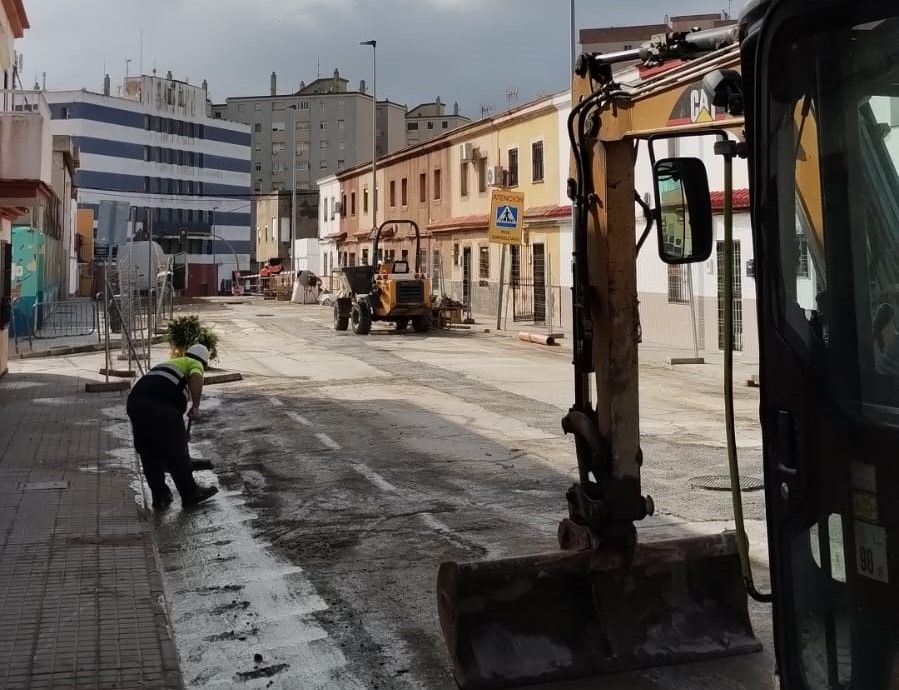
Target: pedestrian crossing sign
506	216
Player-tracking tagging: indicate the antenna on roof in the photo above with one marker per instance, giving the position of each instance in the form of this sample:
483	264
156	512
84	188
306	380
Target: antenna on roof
486	109
512	95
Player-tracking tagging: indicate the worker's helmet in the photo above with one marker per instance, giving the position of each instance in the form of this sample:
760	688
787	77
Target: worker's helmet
198	352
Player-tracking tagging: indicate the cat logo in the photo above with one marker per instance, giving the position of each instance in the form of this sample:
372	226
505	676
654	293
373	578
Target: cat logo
695	106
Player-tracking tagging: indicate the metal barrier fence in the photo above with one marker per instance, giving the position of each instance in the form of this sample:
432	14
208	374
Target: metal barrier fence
66	318
524	302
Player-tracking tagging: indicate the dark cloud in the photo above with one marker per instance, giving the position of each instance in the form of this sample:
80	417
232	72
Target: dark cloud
466	50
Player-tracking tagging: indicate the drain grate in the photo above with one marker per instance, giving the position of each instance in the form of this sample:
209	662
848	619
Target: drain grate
43	486
721	482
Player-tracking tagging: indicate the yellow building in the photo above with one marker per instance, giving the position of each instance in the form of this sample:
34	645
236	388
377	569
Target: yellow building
522	150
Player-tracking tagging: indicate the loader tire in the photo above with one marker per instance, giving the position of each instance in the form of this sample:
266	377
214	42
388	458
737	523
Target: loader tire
360	317
422	323
341	323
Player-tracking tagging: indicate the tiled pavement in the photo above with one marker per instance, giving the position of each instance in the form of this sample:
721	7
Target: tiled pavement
81	600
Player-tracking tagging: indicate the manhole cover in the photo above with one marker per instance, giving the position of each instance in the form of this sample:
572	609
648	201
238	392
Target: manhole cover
721	482
43	486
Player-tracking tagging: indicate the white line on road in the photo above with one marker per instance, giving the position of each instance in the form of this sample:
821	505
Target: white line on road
328	441
299	419
375	478
276	402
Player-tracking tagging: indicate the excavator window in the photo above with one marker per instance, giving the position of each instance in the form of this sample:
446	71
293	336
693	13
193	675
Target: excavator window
833	152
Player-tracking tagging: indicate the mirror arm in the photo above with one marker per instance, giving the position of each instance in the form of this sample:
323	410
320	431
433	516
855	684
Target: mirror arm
649	214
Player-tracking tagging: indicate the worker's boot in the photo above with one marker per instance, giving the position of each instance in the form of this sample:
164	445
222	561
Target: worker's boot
197	465
202	493
162	501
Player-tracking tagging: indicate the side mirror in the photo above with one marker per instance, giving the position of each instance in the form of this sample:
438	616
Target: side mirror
683	210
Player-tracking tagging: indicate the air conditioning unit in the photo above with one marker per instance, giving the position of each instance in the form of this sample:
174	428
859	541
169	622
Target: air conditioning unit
496	176
466	152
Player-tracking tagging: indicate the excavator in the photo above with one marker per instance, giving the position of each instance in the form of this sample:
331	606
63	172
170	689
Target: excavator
807	92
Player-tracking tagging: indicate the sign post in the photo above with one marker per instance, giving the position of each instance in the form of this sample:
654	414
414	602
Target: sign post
506	222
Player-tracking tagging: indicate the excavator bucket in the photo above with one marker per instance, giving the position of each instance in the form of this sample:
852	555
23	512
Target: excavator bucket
569	614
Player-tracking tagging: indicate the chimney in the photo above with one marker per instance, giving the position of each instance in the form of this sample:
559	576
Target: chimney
362	86
439	104
106	85
205	86
302	85
168	75
456	108
274	84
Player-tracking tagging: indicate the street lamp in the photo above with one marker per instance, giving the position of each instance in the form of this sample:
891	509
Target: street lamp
374	134
293	193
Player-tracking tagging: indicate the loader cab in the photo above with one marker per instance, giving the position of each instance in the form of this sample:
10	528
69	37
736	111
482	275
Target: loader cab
821	86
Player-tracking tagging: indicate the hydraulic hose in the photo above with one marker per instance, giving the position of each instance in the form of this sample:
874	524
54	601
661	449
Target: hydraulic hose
732	460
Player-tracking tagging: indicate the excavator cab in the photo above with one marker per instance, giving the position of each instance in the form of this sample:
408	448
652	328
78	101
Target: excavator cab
812	100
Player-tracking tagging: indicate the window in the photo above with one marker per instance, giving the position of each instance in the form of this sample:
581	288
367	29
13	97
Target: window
257	128
333	208
302	148
513	167
392	193
482	175
323	165
353	204
341	163
277	149
537	161
259	106
404	192
365	257
341	145
677	284
430	125
412	127
304	125
423	187
258	167
343	205
463	179
437	185
352	258
303	166
404	255
258	186
436	270
341	124
304	105
257	147
323	125
364	201
323	144
325	210
444	125
483	265
802	246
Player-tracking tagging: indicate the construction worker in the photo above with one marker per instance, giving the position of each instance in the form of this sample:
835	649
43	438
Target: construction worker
156	408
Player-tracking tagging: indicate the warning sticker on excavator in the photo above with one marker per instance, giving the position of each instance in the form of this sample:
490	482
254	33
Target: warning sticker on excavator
871	552
506	217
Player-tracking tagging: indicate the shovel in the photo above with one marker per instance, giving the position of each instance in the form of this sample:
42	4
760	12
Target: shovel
195	465
567	614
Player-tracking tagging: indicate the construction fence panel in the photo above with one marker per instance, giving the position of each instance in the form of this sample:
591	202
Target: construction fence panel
63	319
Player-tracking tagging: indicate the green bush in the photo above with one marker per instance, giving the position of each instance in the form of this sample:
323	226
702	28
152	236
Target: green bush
186	331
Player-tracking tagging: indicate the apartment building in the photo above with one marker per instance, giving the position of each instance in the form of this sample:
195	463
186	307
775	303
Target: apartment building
430	120
328	127
156	148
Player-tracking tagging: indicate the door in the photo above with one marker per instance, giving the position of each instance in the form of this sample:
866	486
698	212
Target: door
826	214
466	277
538	257
737	297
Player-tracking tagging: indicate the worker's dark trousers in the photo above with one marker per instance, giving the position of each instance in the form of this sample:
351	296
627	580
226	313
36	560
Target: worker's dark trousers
161	441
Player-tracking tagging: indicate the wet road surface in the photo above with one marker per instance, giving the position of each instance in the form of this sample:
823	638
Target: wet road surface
350	467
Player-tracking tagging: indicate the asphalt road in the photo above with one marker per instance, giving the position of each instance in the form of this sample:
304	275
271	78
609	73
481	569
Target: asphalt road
352	466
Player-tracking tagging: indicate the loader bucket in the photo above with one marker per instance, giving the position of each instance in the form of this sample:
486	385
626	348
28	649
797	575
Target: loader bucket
569	614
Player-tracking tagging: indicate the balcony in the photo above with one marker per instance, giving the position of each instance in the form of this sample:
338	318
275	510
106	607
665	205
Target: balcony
26	155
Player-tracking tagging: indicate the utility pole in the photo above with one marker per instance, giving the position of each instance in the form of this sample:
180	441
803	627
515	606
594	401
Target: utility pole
215	263
374	136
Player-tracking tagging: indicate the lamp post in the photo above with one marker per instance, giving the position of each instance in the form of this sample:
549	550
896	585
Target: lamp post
215	264
374	136
293	193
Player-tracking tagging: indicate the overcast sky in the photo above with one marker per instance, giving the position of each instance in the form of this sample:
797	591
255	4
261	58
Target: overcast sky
471	51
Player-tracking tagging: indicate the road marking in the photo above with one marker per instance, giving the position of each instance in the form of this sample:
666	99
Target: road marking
299	419
434	523
375	478
276	402
328	441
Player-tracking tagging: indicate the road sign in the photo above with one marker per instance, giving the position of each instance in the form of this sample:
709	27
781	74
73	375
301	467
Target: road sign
506	217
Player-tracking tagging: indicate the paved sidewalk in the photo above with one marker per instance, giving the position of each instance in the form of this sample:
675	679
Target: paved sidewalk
81	598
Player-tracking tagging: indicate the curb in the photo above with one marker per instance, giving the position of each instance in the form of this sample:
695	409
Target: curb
106	386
